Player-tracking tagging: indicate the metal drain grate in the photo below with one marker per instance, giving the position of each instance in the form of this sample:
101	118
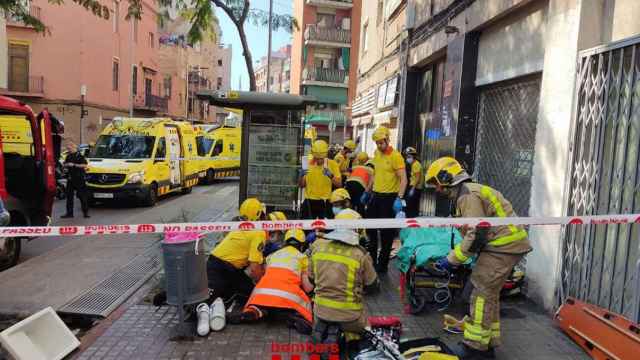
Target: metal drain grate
102	299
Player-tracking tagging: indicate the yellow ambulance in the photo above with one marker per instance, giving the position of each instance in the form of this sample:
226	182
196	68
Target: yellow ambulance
219	151
142	159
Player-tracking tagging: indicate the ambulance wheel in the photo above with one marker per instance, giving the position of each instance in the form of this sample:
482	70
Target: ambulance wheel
152	196
187	190
211	176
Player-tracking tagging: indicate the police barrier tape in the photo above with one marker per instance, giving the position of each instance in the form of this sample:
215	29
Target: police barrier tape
171	158
212	227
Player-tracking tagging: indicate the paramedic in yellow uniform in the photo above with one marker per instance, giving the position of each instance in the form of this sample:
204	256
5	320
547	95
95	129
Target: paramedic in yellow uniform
238	251
318	179
387	200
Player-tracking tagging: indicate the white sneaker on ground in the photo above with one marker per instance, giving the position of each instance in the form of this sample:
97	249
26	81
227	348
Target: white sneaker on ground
217	315
202	310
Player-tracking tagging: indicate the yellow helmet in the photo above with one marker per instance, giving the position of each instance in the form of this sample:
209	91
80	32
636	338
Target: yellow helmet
296	234
381	133
446	171
277	216
339	195
362	157
252	209
350	144
348	214
319	149
410	151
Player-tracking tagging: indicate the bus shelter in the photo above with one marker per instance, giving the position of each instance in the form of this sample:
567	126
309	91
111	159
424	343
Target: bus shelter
272	144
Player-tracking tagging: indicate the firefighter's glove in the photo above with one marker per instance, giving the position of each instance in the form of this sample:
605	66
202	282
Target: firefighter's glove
399	205
311	237
444	265
364	199
326	172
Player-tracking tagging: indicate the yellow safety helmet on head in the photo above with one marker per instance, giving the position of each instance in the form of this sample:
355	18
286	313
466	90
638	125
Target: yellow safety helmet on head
339	195
362	158
296	234
446	171
411	151
350	144
277	216
252	209
319	149
381	133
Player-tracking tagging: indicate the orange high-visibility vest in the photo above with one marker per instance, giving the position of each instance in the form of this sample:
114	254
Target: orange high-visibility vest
361	174
281	285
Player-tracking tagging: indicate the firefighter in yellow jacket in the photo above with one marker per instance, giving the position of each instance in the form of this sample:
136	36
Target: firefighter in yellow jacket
498	248
341	270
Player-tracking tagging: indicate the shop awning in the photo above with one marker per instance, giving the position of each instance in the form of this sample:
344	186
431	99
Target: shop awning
325	118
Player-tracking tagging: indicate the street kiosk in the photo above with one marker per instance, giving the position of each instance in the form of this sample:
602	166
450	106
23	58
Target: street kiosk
272	144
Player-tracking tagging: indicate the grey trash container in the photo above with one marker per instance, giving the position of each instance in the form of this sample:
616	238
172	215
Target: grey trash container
185	273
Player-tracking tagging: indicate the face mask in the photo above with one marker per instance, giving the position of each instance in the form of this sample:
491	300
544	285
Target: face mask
409	160
336	210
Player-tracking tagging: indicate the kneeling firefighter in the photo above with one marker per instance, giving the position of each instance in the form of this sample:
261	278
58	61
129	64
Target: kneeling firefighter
499	249
283	288
341	270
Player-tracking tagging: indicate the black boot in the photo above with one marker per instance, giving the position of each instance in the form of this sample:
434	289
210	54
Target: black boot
465	352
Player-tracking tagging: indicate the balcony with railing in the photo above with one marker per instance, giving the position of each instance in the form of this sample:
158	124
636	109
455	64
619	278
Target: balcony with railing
29	86
325	77
34	11
157	103
324	36
336	4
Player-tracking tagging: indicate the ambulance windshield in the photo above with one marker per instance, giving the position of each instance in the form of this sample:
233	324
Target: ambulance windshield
123	147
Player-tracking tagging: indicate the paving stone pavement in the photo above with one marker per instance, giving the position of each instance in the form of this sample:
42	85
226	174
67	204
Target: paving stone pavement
148	332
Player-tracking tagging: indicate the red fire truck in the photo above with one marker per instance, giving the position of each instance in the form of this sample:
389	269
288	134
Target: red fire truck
27	172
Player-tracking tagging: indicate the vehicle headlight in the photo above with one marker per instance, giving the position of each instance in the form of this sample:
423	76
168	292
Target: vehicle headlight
136	177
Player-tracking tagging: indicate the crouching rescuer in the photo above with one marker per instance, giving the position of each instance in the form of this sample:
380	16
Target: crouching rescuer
282	291
498	249
342	271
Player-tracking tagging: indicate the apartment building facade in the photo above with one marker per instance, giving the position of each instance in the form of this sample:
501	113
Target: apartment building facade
325	60
86	61
537	99
280	73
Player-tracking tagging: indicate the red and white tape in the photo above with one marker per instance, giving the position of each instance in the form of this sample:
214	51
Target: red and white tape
224	226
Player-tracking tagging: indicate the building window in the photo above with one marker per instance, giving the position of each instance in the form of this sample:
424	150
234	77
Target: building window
115	75
151	40
219	83
365	38
134	80
167	87
219	62
116	15
19	67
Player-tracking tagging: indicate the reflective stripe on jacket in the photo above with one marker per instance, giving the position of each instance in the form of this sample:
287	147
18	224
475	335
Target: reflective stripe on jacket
340	272
281	285
476	200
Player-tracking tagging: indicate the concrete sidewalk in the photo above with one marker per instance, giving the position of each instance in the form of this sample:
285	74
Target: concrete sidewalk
148	332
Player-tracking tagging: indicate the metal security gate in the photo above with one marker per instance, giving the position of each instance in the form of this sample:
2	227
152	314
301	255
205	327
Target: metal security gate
599	262
508	116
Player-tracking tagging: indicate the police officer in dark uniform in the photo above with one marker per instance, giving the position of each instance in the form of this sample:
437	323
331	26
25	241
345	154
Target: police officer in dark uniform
76	165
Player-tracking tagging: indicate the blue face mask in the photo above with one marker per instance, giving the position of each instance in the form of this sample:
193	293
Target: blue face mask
336	210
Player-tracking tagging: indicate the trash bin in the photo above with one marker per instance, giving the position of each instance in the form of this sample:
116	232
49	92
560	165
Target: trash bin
185	270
